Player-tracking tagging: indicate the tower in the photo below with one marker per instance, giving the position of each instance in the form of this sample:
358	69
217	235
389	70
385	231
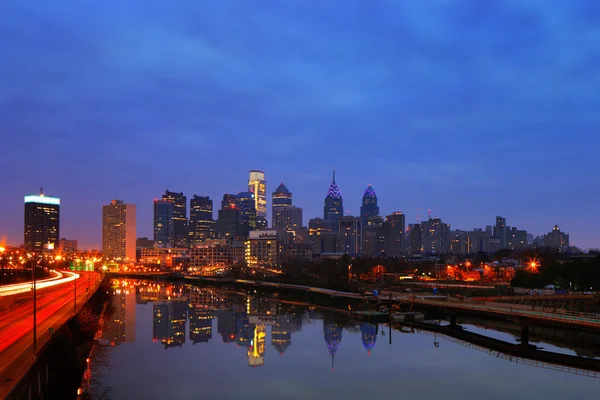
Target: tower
258	186
180	221
369	211
202	225
163	223
245	203
119	230
334	207
41	222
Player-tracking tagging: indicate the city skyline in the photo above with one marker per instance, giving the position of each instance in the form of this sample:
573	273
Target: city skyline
465	115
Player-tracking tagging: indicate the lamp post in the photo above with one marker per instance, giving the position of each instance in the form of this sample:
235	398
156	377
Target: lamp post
2	250
33	280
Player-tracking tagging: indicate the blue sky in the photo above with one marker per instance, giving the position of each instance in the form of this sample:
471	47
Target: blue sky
470	108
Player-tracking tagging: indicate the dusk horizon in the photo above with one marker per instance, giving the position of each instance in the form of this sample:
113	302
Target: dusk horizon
471	109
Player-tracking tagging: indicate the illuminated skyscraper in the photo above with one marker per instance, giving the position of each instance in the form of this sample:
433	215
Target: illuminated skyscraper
333	337
369	211
334	207
246	205
41	222
180	221
163	223
282	197
202	225
368	334
119	230
258	185
350	231
229	220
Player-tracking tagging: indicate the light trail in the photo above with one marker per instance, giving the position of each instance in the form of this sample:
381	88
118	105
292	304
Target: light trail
17	288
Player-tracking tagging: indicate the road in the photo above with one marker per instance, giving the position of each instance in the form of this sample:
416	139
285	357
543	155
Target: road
54	306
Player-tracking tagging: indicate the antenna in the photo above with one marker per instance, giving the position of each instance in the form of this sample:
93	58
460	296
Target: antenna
418	215
41	191
429	212
333	174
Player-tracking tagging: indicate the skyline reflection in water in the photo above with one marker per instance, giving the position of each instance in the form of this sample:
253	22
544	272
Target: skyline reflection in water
184	342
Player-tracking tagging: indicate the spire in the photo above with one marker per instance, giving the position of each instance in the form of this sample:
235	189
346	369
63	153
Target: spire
334	175
332	362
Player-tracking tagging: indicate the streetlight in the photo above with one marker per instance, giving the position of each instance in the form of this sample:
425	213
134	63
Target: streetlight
2	250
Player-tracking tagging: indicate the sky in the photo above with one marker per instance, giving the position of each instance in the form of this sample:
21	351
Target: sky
469	108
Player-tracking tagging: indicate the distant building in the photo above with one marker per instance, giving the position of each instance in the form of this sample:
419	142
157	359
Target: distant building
393	231
373	240
369	211
261	222
202	225
415	245
180	221
435	236
327	243
258	186
282	197
263	248
517	239
163	223
229	221
119	230
42	215
501	232
245	203
217	253
144	243
287	218
316	226
163	256
334	206
67	246
350	231
556	239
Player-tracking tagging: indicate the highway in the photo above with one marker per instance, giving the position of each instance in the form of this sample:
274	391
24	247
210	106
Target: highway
54	306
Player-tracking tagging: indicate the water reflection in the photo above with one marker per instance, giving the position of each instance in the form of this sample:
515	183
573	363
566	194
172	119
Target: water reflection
251	330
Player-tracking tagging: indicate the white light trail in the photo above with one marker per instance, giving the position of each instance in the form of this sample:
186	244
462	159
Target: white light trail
9	290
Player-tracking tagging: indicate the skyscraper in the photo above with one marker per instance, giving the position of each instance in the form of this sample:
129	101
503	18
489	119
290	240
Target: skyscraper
119	230
501	232
334	206
369	211
435	236
287	218
393	230
258	185
202	225
350	232
246	205
42	214
180	222
163	223
229	218
282	197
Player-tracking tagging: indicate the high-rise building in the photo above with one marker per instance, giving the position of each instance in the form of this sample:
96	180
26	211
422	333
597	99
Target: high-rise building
334	206
517	239
228	201
435	236
163	223
415	245
350	232
229	218
369	211
501	232
180	221
245	203
119	230
316	226
67	246
263	248
258	185
288	218
556	239
42	214
202	225
282	197
393	230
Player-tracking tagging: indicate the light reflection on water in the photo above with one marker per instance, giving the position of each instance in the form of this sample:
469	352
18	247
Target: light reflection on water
174	342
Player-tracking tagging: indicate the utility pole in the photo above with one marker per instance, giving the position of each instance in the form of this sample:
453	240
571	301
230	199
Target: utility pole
33	279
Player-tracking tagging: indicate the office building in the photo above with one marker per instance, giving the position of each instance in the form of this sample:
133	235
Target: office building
517	239
393	231
435	236
263	248
202	226
163	223
217	253
42	214
229	218
556	239
245	203
350	231
282	197
369	211
180	221
316	226
501	232
334	205
258	186
415	245
67	246
287	218
119	230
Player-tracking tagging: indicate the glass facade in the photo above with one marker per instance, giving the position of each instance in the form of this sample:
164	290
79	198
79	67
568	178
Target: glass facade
258	186
180	221
41	222
202	225
246	205
163	223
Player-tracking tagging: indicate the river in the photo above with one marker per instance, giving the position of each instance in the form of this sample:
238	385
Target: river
181	342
